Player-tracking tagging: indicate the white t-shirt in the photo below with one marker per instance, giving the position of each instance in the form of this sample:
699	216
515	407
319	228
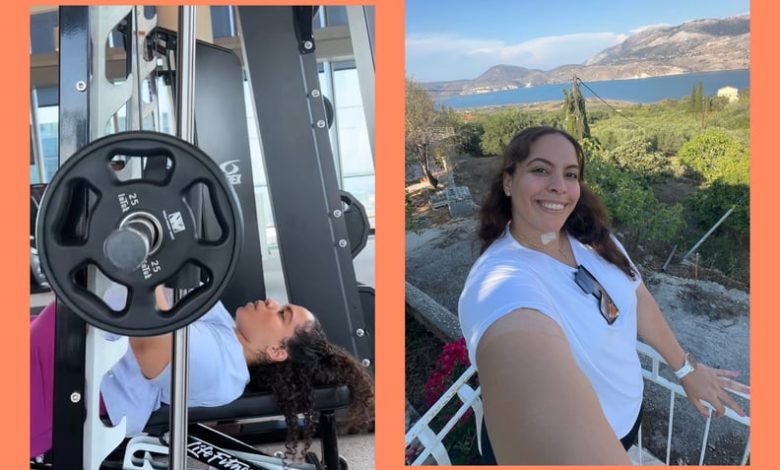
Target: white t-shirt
508	276
217	374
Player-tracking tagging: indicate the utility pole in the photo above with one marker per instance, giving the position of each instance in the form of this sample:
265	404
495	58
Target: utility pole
575	91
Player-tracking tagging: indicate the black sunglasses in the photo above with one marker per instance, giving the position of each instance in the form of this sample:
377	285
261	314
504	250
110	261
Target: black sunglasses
590	285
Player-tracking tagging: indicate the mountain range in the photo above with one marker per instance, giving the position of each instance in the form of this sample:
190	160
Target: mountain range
703	45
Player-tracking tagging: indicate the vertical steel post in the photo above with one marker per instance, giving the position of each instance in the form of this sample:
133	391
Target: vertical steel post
70	329
35	137
312	233
185	119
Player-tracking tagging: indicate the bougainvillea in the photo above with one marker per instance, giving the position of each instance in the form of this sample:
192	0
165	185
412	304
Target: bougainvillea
452	362
461	440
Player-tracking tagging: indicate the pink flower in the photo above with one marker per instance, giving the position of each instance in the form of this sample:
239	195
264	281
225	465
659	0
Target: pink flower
453	357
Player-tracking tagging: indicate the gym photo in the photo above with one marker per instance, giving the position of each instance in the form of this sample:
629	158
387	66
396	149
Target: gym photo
202	207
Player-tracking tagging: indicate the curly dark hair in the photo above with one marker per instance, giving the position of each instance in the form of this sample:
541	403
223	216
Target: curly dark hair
313	361
587	223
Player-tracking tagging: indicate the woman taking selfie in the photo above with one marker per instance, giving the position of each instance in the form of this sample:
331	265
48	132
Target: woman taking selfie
551	311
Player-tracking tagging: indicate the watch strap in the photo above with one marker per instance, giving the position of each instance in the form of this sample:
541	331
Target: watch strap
686	369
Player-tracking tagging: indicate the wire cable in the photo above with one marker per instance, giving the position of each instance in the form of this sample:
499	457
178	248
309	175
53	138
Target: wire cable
579	81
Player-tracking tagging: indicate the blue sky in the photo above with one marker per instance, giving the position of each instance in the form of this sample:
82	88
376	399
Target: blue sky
460	39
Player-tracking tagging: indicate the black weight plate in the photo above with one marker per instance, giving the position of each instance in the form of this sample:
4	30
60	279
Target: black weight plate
328	111
64	250
358	226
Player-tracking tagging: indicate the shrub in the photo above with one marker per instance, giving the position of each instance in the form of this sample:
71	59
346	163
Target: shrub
714	154
633	205
501	126
714	199
638	155
468	138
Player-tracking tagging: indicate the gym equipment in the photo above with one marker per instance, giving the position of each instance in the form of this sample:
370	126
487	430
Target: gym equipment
139	233
358	226
308	227
219	112
38	282
329	114
314	244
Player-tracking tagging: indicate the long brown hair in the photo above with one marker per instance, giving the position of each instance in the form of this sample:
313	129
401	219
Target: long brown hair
313	361
587	223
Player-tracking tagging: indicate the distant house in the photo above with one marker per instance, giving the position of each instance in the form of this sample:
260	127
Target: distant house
731	93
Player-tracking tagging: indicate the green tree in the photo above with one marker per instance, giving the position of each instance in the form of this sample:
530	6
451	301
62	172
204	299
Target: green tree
467	132
700	97
696	100
638	155
714	153
501	126
421	137
575	116
723	163
468	138
632	205
692	99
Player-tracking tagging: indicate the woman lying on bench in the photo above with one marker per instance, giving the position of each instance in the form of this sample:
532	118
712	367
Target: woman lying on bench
268	345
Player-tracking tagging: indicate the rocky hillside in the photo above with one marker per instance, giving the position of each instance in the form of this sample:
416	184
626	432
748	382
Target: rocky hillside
695	46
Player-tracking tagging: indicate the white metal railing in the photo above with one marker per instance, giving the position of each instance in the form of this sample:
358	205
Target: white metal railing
431	441
421	437
675	389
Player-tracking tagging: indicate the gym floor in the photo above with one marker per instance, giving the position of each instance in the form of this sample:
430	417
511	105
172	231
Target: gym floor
357	450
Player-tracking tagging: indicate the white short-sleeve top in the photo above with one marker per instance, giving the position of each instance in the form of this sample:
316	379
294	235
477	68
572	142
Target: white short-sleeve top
509	276
218	374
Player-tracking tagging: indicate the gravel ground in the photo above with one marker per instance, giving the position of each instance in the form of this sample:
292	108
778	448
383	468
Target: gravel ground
709	320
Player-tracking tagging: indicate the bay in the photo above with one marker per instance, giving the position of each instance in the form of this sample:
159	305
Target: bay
640	90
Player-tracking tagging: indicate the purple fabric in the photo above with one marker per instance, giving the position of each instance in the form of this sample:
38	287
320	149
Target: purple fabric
41	380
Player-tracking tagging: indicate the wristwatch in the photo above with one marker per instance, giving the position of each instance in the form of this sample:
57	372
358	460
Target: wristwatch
688	367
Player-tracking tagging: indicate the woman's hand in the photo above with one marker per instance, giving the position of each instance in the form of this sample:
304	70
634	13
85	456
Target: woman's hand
160	298
709	384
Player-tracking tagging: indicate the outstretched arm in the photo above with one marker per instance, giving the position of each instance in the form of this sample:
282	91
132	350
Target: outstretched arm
704	383
539	406
153	353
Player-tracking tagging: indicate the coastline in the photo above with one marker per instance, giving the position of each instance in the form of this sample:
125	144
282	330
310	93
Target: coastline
631	90
547	105
444	95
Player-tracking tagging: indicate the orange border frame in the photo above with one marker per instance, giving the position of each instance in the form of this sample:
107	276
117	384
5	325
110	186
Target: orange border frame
389	223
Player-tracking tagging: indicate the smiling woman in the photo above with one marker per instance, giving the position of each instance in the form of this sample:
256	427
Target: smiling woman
561	380
544	188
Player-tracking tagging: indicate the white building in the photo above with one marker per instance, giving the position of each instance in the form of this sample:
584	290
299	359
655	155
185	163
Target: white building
729	92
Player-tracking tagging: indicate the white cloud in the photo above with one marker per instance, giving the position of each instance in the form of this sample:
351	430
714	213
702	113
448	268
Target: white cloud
422	44
449	57
649	26
551	51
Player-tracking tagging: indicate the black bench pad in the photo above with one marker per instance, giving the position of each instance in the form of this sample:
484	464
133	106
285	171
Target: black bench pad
254	405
